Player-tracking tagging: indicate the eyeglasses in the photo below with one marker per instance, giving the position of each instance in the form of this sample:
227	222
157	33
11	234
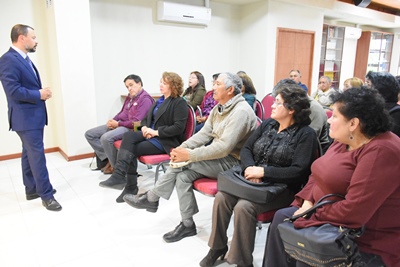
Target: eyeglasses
192	77
277	104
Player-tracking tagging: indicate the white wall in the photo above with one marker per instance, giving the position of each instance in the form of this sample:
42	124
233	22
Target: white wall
253	45
284	15
28	12
87	47
127	38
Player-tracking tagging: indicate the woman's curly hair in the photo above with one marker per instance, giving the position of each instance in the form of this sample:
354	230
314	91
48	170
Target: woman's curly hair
296	99
175	83
368	106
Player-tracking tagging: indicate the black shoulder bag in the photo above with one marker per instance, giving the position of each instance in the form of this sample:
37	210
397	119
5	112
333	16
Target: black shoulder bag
232	182
321	246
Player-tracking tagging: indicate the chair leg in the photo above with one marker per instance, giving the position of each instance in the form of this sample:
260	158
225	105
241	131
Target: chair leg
164	169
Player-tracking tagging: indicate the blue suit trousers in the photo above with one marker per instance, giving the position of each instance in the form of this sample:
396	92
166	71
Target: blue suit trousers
34	171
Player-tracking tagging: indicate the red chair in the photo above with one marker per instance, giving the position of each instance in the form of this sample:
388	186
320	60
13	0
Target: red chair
161	159
328	112
267	102
209	187
259	109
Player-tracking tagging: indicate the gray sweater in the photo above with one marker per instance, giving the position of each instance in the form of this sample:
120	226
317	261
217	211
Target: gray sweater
228	131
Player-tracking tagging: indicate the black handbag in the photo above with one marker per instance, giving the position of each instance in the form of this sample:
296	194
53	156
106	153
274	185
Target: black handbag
321	246
233	183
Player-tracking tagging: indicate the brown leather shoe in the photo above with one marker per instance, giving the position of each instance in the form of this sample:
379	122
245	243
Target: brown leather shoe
108	165
110	170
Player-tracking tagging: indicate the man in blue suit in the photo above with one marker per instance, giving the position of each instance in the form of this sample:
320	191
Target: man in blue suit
27	113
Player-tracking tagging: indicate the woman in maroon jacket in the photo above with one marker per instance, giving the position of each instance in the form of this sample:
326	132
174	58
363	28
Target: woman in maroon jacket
363	165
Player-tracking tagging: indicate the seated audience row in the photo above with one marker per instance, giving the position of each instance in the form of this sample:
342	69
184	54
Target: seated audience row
228	126
362	165
215	148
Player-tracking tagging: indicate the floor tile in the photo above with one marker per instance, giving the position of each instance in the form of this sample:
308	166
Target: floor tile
92	229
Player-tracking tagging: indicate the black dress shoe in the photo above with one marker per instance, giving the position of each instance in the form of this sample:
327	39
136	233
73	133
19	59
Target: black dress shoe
35	195
52	204
181	231
114	182
127	191
212	257
141	202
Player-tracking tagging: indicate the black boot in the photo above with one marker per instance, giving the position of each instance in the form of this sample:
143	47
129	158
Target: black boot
212	257
130	187
117	180
100	163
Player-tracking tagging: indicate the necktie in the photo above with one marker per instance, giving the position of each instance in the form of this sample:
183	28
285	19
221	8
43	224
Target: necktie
30	64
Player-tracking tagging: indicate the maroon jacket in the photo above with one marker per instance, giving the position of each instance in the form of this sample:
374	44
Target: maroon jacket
369	177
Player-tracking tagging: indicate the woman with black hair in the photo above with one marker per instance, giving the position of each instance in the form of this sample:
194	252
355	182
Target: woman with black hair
389	88
280	150
363	165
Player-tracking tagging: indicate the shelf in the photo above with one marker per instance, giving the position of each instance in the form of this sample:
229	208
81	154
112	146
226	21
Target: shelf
331	53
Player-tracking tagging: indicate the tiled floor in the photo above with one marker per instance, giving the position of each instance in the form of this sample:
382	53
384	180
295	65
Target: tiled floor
92	229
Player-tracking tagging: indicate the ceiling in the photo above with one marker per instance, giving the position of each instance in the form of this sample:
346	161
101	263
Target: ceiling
340	11
388	3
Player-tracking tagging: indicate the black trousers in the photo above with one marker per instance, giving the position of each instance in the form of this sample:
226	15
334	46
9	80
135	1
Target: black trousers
135	143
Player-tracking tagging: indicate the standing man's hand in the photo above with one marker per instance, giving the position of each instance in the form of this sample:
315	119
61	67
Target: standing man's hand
45	93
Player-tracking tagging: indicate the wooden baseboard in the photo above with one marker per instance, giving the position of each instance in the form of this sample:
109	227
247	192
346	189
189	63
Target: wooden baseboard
51	150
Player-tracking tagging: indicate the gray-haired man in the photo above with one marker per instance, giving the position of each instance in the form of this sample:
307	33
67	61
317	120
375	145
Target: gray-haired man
229	125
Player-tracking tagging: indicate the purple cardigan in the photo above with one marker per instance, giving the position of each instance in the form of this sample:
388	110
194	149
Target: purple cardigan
134	109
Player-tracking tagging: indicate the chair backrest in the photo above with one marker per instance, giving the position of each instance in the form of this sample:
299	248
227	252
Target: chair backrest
267	102
190	123
328	112
198	112
259	109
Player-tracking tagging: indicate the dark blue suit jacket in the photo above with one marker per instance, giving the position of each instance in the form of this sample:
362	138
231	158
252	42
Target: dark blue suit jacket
26	111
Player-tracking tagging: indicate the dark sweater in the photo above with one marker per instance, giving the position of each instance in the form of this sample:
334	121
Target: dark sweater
290	153
395	115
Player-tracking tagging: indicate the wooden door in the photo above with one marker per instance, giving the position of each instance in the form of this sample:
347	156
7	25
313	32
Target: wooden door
294	50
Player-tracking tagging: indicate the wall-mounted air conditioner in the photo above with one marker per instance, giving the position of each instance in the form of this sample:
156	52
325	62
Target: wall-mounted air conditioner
174	12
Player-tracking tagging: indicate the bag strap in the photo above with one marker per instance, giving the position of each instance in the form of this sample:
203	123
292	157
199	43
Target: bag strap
321	202
393	109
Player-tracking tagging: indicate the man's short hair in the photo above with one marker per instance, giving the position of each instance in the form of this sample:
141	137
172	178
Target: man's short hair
134	77
17	30
296	71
